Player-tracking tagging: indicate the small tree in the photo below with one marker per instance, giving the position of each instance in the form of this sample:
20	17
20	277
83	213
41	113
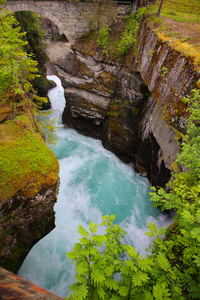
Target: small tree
31	24
17	68
159	9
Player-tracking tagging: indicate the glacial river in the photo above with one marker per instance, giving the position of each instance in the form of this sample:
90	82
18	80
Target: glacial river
93	183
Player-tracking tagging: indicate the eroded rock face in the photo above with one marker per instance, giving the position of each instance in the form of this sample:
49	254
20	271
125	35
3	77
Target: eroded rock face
123	104
88	85
103	99
106	101
24	221
168	74
29	182
159	146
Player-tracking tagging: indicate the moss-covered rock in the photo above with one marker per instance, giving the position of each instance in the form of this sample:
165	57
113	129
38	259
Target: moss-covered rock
42	85
5	108
169	74
28	183
26	163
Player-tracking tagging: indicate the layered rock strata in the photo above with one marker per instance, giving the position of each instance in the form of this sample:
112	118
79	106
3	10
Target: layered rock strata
168	74
135	108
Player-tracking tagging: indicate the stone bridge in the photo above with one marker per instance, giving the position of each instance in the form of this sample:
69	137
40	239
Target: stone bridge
71	19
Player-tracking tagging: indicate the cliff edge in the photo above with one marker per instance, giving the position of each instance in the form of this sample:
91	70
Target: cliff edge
28	183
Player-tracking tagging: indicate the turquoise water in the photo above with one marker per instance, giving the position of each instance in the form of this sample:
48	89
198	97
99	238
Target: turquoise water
93	182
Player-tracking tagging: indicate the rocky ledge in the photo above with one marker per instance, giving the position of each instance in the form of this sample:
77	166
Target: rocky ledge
134	107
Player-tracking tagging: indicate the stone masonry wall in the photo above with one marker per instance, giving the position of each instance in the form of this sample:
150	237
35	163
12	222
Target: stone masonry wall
72	20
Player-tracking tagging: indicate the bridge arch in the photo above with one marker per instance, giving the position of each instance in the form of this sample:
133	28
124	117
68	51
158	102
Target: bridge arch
25	7
68	17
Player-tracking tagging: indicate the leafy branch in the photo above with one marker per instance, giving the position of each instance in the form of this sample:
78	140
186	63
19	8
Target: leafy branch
172	269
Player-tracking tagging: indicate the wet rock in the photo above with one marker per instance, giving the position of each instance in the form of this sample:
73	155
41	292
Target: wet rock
144	115
15	287
24	221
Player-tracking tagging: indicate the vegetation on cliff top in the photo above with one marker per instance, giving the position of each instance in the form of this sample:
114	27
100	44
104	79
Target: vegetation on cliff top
113	41
178	24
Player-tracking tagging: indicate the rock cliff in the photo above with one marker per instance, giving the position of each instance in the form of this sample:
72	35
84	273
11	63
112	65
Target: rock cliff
24	221
134	106
28	183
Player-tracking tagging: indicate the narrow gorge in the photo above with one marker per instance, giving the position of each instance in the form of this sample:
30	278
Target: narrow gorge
133	107
133	104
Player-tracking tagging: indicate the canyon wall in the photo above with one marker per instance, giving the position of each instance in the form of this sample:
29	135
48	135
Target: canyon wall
28	183
24	221
134	106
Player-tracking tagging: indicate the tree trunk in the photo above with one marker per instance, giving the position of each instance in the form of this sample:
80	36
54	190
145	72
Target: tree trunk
22	25
142	3
159	9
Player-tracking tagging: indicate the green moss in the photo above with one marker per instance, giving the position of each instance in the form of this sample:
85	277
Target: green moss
175	167
41	85
115	127
184	48
116	110
14	261
42	225
26	163
90	105
136	110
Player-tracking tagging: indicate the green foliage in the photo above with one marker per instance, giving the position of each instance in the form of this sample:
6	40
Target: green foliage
17	68
40	84
183	246
95	269
2	2
164	71
31	25
130	35
190	148
104	12
47	123
172	270
103	39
